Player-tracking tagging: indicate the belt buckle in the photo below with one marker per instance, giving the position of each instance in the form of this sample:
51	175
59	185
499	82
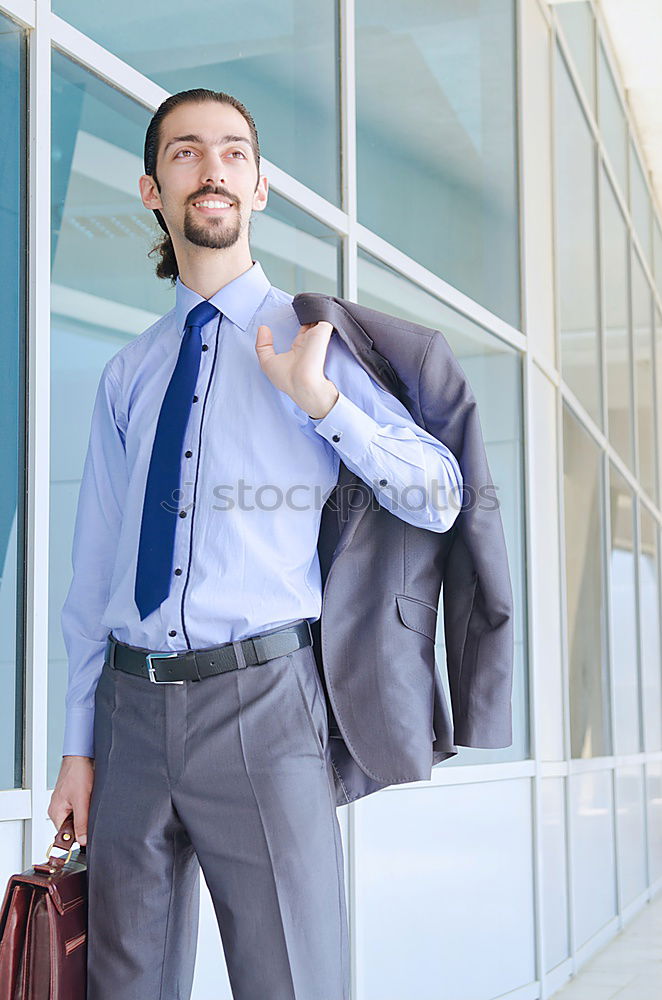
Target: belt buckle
150	669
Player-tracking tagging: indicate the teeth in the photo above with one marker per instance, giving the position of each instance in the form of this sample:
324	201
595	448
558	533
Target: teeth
213	204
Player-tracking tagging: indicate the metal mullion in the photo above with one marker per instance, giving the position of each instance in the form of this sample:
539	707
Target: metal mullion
436	286
530	520
37	374
605	37
640	663
23	12
594	127
560	478
347	137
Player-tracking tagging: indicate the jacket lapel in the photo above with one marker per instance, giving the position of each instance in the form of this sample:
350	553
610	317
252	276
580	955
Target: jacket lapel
312	307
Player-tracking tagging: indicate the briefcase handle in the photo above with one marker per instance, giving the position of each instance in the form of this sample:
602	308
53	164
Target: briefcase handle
64	838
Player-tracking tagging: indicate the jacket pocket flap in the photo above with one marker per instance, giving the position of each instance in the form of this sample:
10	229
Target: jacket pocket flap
417	615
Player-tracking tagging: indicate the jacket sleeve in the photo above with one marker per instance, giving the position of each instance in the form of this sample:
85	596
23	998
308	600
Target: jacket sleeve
411	473
96	533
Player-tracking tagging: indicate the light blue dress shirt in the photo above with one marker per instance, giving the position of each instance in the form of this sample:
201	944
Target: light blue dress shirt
256	471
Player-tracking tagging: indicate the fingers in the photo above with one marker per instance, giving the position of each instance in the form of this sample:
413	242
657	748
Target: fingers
77	804
57	815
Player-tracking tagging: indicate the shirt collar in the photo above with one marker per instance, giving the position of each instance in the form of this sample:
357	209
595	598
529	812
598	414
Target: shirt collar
238	300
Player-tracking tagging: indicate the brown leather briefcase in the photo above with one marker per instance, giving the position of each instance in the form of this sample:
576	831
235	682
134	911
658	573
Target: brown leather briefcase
43	927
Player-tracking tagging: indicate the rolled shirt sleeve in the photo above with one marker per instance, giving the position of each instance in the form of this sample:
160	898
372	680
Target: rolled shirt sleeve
411	473
96	533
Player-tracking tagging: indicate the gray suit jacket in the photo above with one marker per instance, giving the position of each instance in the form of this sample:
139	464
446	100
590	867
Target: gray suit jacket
382	577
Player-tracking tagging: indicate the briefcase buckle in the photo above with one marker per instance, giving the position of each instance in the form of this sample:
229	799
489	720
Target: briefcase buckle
150	669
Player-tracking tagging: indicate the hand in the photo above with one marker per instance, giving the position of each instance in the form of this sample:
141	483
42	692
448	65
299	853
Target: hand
72	792
299	372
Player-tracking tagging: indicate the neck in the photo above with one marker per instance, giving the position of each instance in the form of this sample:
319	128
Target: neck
207	270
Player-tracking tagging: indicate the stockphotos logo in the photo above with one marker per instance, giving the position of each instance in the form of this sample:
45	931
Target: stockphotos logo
342	499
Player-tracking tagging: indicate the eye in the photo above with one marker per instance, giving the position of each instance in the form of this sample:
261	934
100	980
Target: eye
238	151
182	151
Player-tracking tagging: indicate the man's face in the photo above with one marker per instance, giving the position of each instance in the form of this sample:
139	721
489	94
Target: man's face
217	166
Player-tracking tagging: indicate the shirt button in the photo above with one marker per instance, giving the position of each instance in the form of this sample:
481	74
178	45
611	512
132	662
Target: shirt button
182	513
383	482
336	437
178	572
172	632
188	453
205	347
195	399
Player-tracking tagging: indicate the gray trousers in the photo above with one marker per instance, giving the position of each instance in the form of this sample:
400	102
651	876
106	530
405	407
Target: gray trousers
232	774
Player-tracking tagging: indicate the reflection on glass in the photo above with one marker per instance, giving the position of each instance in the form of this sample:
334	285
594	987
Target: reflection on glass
575	246
588	689
105	293
642	335
640	204
649	608
576	21
614	256
297	252
613	125
494	373
13	70
279	59
436	140
623	615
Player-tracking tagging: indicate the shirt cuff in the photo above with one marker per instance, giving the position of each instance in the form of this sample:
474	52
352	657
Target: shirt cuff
347	427
79	732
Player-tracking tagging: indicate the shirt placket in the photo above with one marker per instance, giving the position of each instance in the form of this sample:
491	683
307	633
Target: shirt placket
190	470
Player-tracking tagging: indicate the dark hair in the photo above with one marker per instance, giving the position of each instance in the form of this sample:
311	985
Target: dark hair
167	263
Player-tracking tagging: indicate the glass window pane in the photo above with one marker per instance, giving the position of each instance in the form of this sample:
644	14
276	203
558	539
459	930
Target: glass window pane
103	293
649	605
614	244
590	734
575	246
279	59
297	252
576	20
642	335
623	615
658	391
494	371
613	126
436	140
13	75
640	205
657	241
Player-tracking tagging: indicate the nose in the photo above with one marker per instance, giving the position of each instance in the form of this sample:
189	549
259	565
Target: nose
212	169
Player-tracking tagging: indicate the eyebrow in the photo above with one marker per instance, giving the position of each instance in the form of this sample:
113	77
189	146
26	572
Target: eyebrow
198	138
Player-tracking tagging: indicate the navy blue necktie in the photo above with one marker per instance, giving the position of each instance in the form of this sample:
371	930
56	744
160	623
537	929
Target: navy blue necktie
159	517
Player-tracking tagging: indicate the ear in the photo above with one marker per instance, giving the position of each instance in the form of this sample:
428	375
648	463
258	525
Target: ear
149	192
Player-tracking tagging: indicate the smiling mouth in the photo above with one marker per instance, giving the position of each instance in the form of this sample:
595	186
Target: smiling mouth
213	209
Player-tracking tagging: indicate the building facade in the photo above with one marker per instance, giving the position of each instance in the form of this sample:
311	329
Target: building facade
474	166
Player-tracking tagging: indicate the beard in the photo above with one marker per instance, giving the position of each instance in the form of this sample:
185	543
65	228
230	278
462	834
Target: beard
208	231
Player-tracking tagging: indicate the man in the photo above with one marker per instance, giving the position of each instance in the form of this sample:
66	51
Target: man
214	752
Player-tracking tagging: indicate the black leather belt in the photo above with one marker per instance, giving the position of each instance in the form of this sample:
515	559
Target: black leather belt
194	664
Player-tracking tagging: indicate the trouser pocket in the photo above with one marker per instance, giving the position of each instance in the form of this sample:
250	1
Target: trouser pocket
311	692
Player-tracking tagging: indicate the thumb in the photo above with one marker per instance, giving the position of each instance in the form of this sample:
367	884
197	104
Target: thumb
264	344
81	810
